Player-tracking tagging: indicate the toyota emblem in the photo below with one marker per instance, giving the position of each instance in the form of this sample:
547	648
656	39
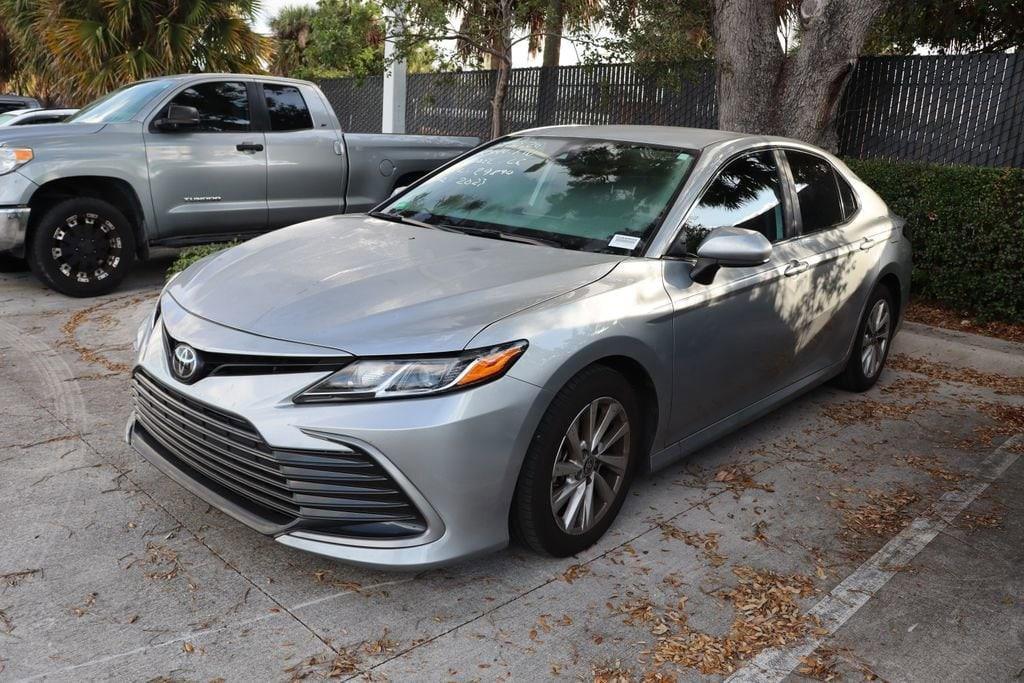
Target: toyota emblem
185	362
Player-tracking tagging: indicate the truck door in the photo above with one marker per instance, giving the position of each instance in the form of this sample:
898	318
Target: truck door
211	179
305	157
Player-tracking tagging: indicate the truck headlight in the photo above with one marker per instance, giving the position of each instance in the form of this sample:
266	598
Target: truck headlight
14	157
382	378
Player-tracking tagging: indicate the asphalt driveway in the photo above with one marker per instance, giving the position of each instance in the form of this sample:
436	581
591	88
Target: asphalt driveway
874	535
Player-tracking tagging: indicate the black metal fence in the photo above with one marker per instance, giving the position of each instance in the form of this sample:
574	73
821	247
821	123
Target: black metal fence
965	109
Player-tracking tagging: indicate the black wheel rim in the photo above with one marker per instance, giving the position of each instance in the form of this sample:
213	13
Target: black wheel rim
86	248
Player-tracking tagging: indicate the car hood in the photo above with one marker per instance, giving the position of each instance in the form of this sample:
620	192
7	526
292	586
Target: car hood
41	134
371	287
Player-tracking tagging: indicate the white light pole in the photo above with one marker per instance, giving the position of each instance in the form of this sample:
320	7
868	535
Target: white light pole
393	120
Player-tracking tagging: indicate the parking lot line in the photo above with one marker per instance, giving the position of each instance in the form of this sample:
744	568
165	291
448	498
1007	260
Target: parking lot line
853	592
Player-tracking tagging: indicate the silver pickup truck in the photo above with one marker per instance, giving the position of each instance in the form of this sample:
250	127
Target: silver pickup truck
184	160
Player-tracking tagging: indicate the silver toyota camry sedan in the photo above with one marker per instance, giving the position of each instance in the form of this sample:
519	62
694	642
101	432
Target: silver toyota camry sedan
501	347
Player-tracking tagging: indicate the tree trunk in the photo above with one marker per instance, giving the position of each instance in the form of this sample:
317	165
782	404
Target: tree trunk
500	92
554	21
503	56
763	90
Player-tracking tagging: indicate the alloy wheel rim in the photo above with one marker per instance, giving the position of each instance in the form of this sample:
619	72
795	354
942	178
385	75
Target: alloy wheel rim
876	338
590	465
86	247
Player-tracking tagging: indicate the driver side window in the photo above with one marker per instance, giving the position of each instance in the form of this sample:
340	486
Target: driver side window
746	194
223	106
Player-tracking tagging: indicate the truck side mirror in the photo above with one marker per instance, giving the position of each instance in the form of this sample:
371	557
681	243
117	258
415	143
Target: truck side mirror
178	117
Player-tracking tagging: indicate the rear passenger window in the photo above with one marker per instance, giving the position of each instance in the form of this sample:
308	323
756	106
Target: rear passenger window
849	198
817	190
287	109
746	194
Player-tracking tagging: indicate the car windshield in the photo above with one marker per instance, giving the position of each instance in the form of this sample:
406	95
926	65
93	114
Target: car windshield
592	195
6	118
121	105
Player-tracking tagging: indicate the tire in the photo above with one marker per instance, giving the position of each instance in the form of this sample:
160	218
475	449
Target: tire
9	263
859	374
82	247
534	508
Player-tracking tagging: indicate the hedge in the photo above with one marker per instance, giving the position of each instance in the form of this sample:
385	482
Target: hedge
966	225
189	255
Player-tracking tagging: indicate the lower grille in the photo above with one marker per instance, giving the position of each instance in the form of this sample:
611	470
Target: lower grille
338	492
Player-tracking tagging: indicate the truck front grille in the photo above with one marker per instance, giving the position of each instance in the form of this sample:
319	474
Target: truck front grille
338	492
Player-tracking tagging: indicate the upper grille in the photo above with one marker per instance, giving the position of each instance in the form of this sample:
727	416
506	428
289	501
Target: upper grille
345	493
214	363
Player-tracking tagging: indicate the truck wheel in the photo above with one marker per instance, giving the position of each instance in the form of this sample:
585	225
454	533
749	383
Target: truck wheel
82	247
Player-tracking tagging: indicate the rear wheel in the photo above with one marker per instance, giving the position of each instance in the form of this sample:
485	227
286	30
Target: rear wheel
579	465
871	347
82	247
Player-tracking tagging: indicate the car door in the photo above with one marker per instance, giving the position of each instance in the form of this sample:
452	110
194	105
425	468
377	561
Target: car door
734	338
209	180
839	255
305	165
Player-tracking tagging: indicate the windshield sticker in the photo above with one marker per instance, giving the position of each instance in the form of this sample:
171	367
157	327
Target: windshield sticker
627	242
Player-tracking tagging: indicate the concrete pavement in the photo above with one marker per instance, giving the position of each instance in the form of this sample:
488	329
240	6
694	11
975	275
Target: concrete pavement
110	570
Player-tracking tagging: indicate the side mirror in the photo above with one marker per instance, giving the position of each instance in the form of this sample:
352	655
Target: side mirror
729	248
178	117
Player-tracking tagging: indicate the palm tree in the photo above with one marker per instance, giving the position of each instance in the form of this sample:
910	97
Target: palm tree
291	29
84	49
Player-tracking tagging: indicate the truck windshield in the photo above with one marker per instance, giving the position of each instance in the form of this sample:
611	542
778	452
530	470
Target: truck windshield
591	195
121	105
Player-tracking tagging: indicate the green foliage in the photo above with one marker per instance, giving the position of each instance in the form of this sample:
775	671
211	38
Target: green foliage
655	31
291	29
336	39
966	225
948	26
190	255
78	50
347	39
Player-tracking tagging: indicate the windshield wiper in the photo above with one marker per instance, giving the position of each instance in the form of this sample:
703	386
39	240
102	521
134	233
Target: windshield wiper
494	233
491	233
398	218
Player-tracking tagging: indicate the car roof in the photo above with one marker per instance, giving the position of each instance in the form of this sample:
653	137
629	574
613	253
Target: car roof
186	78
40	110
669	136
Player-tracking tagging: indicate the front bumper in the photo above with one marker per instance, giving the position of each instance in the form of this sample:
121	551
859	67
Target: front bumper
13	227
456	456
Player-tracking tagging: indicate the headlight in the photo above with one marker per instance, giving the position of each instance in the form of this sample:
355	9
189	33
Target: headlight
13	157
403	377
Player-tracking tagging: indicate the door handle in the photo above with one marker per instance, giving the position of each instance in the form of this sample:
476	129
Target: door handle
795	268
867	243
249	147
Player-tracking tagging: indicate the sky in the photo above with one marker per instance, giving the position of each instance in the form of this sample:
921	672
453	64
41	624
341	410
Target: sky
520	53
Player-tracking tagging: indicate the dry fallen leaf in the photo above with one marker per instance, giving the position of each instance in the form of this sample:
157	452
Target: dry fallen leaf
575	572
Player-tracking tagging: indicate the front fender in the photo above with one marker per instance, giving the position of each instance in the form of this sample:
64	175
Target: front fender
627	314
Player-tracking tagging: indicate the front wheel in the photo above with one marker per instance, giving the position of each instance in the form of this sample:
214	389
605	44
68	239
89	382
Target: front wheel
871	346
579	465
82	247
